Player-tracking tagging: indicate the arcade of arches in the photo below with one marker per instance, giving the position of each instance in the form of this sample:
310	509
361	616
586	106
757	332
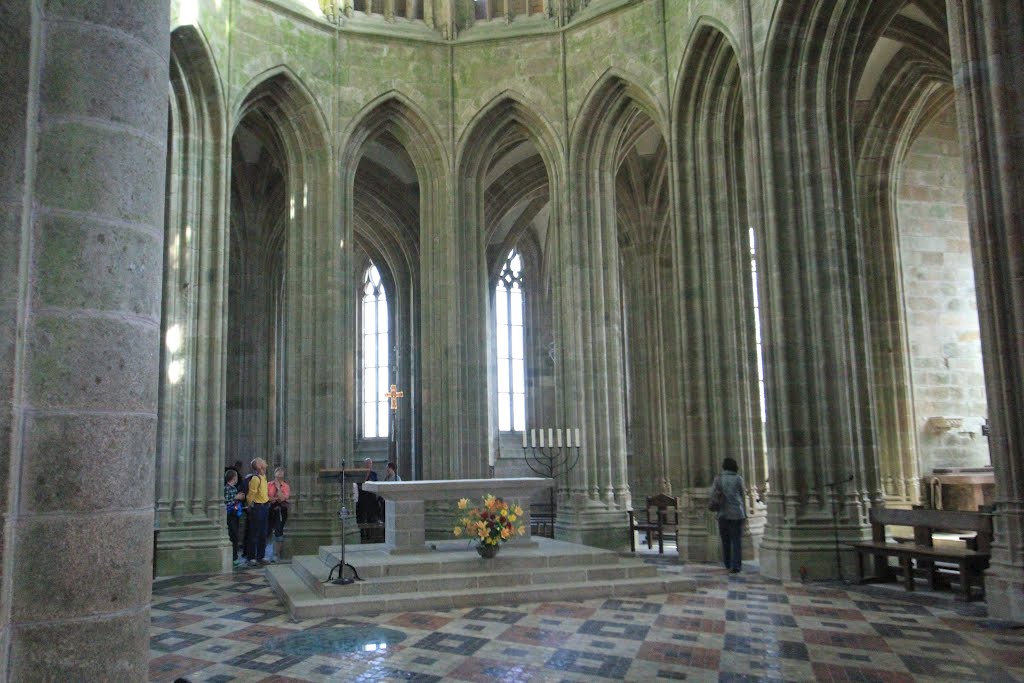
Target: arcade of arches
783	231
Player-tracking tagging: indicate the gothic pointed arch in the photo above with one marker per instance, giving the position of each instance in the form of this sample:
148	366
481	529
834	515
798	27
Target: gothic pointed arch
616	270
913	88
821	427
721	400
190	453
508	169
394	170
284	374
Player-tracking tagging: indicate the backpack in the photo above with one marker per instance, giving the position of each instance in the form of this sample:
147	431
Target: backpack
245	484
717	499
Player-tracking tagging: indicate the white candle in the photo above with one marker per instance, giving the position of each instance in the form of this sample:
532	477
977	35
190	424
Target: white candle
578	444
568	438
524	438
551	437
559	433
533	438
542	438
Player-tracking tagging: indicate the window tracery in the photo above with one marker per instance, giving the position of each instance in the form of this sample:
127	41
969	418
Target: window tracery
374	328
508	314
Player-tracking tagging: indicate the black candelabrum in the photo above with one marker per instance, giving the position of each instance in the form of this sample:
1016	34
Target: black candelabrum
551	453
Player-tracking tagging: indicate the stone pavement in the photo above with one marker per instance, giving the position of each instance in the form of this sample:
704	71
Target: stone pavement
224	628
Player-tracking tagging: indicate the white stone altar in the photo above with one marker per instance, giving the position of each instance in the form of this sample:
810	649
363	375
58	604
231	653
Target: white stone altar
405	517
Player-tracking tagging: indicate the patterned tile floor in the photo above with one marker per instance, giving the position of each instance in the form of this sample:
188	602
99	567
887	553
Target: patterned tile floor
225	628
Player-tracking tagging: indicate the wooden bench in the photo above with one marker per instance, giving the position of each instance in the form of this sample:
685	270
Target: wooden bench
661	521
920	553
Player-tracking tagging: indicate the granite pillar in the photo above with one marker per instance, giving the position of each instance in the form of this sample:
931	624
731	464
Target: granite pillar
986	41
83	129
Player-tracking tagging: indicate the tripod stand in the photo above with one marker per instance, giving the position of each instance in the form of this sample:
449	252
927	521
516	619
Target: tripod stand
343	579
835	522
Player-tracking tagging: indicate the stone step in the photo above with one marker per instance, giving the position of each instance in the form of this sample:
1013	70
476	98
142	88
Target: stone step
304	603
484	574
450	574
448	557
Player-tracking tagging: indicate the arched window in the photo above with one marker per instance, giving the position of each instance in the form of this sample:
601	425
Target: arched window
757	328
375	355
508	314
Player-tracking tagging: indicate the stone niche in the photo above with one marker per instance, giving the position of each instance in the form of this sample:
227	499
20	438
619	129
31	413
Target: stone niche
959	488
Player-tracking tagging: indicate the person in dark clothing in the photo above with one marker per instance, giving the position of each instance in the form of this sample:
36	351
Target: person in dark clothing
367	507
233	507
731	514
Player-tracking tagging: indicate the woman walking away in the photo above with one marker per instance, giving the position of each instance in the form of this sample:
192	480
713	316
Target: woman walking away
731	513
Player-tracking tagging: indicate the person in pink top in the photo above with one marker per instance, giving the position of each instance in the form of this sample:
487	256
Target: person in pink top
279	493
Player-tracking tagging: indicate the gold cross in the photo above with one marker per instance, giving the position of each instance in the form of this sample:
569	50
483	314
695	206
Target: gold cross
394	395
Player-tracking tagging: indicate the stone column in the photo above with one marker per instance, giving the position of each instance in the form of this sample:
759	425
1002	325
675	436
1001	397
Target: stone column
986	41
83	129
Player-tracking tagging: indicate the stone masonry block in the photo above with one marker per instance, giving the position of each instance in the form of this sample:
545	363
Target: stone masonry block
87	463
93	363
85	264
55	650
134	17
132	92
100	171
62	557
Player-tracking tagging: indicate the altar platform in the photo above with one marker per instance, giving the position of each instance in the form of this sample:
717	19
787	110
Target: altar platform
450	574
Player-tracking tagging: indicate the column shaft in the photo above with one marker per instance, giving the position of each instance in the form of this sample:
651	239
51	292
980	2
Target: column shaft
83	126
986	41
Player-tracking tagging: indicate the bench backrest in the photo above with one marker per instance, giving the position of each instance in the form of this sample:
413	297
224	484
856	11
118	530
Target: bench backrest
663	507
926	521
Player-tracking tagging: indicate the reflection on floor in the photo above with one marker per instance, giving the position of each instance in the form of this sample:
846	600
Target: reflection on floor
225	628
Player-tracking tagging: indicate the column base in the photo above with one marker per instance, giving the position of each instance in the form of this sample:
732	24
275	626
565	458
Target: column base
197	548
699	540
305	535
1004	592
608	529
810	552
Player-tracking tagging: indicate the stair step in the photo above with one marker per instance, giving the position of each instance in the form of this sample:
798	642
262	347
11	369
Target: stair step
314	571
454	557
304	603
449	575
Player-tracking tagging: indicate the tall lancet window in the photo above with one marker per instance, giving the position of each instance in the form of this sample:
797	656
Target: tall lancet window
375	355
508	313
757	328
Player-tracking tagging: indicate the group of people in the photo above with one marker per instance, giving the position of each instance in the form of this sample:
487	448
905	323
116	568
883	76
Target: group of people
257	510
369	506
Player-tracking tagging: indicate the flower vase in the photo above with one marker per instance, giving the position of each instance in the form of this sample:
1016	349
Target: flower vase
487	551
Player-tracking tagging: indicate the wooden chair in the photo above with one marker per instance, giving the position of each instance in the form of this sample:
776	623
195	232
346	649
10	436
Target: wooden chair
660	520
542	520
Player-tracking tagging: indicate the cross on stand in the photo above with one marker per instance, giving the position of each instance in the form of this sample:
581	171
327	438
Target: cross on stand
393	395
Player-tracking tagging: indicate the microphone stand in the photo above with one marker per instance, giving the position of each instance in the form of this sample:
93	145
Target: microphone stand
342	579
835	521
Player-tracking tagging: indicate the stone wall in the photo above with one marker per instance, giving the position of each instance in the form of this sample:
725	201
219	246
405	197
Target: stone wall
941	310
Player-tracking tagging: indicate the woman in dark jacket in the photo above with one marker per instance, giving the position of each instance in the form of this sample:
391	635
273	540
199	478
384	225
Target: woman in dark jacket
731	514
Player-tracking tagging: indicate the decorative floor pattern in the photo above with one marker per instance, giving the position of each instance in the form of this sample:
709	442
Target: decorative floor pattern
226	628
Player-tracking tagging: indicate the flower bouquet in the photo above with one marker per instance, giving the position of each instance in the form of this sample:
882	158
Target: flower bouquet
491	523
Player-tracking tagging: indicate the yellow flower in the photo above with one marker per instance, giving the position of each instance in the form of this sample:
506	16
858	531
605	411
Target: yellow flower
504	511
458	531
519	510
512	518
463	503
